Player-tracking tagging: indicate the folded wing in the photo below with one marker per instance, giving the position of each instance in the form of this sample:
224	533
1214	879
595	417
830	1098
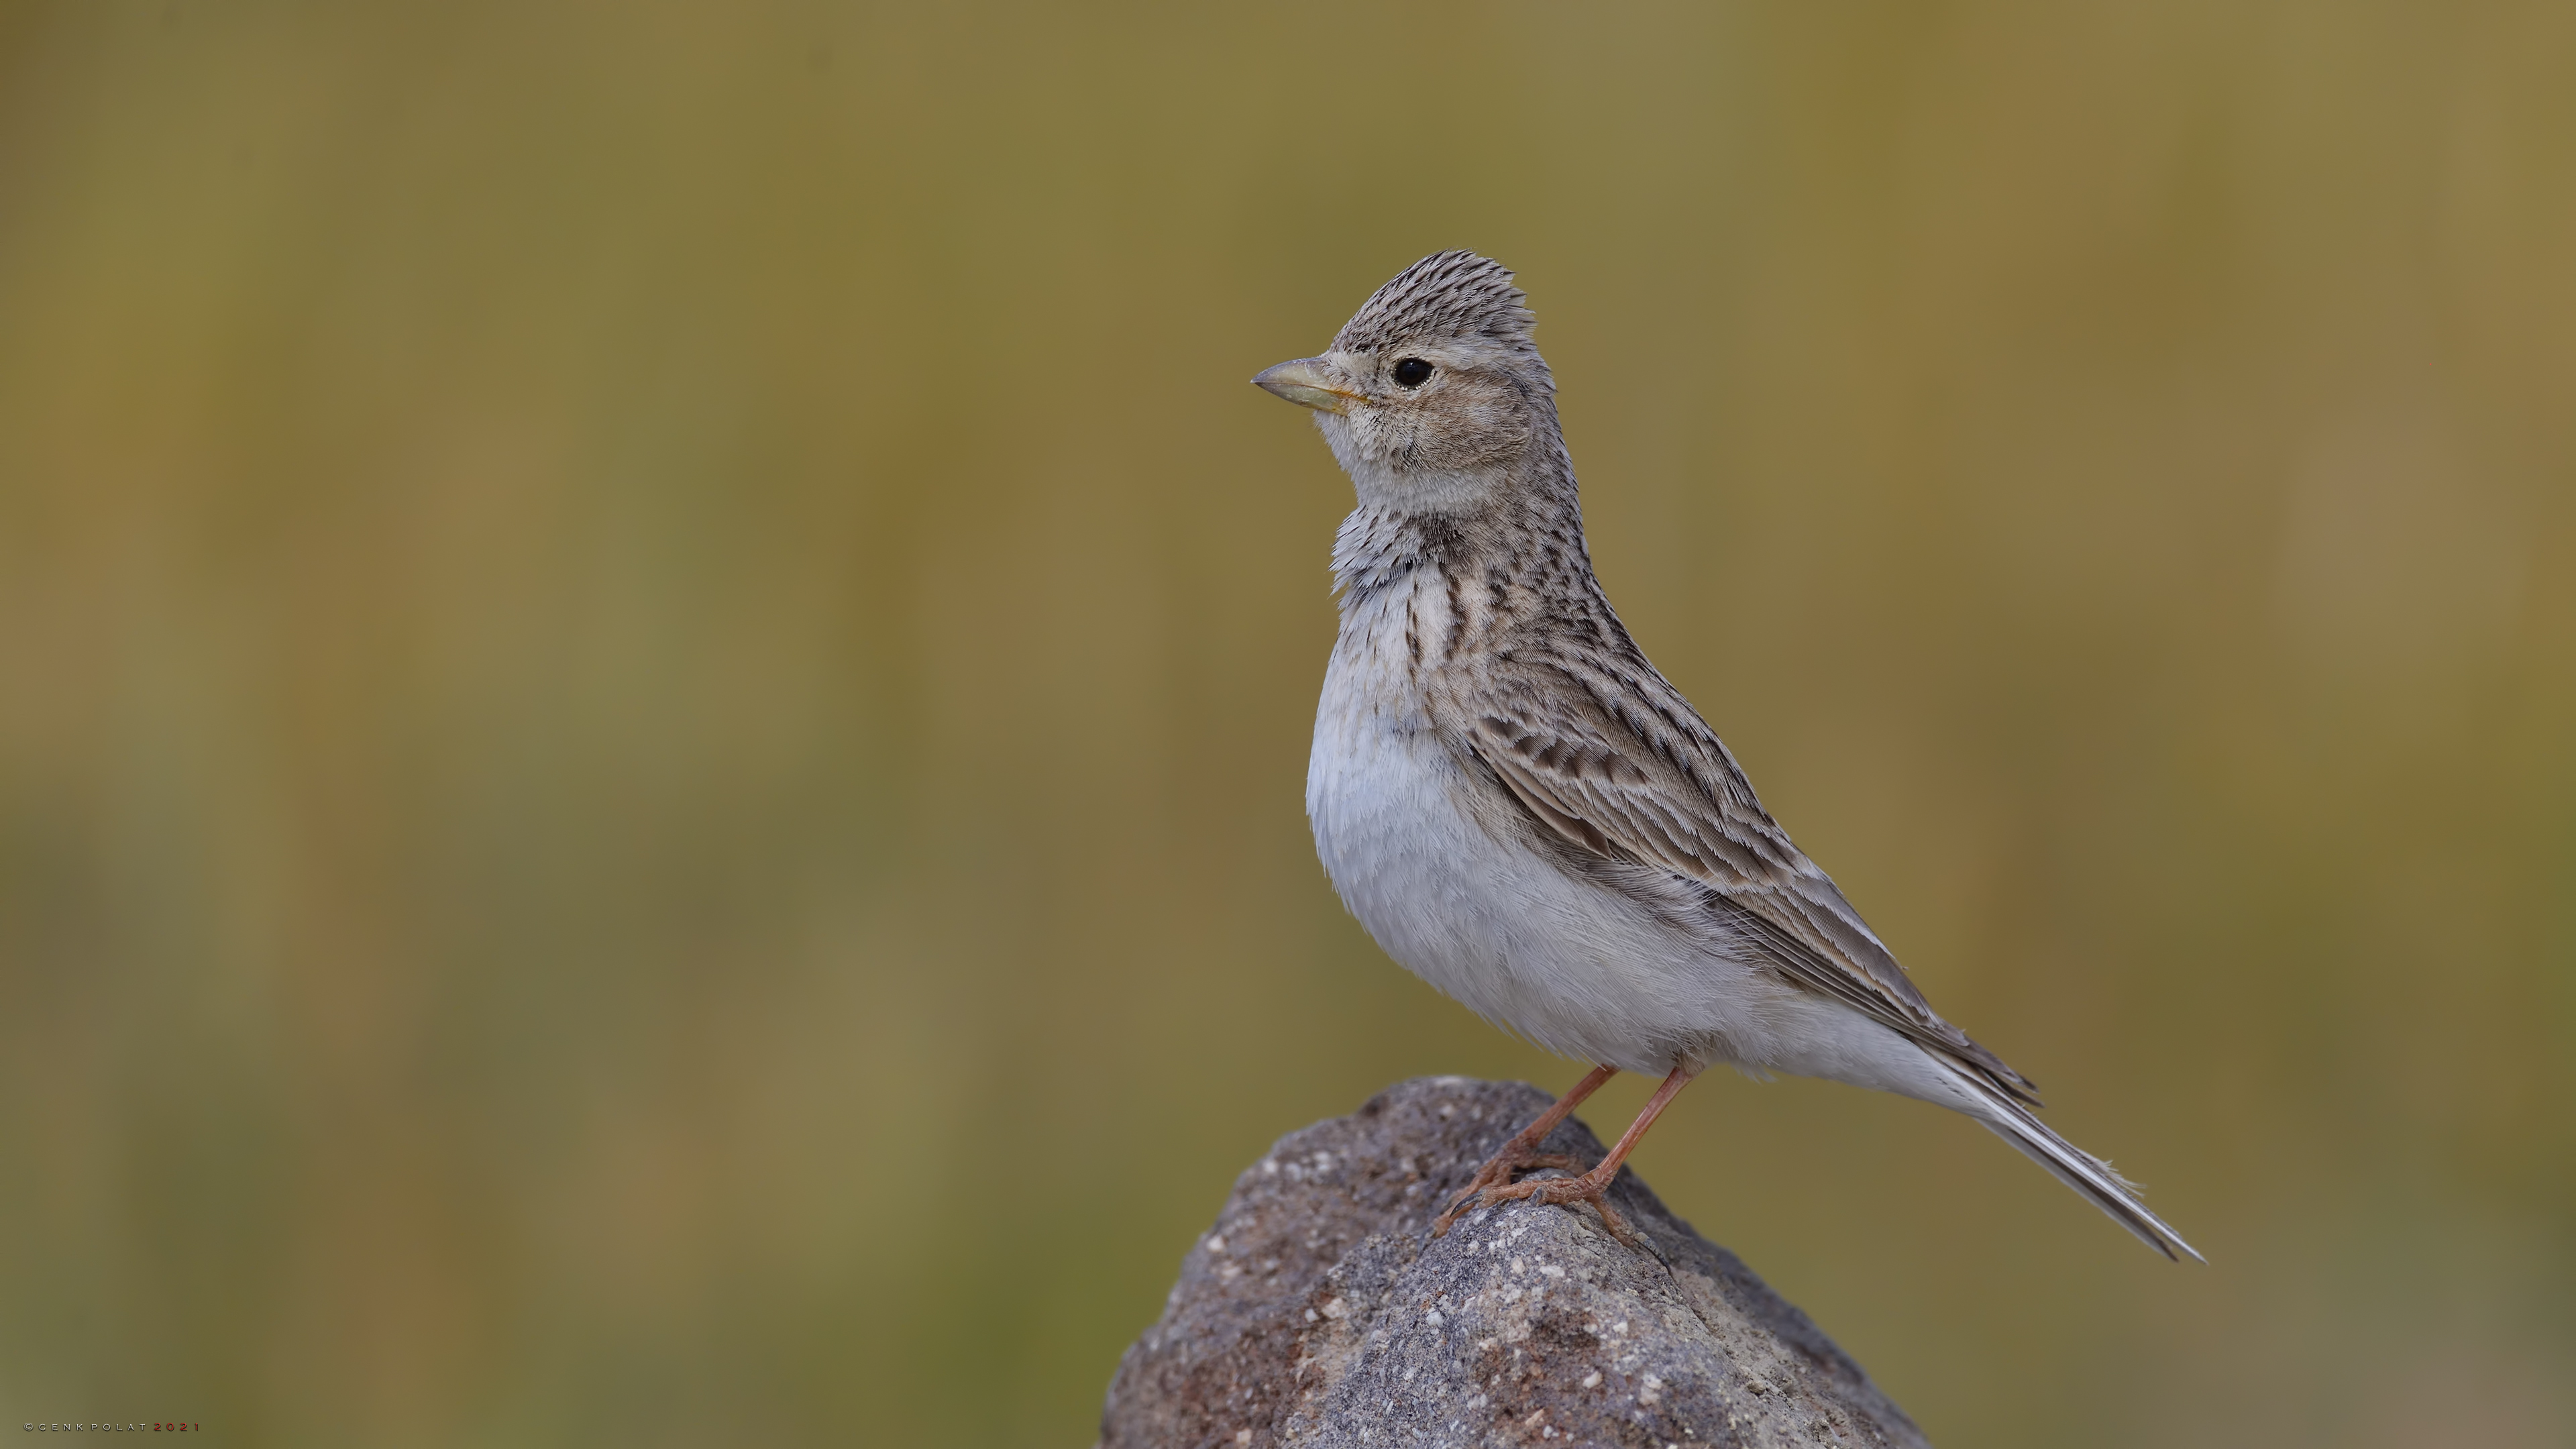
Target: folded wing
1616	762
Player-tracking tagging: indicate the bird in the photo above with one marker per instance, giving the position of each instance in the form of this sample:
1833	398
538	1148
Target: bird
1523	812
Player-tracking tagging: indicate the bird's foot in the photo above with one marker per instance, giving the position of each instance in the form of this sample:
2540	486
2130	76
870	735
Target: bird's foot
1561	1191
1496	1175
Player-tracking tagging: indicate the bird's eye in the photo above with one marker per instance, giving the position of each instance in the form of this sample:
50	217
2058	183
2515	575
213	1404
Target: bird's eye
1412	372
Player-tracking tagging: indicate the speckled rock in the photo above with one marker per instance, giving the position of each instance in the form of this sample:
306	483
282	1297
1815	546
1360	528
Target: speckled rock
1320	1312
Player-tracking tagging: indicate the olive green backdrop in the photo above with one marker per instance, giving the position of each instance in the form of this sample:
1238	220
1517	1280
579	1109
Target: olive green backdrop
654	675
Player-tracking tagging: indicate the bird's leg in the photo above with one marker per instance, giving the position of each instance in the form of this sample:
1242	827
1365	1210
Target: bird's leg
1521	1153
1593	1187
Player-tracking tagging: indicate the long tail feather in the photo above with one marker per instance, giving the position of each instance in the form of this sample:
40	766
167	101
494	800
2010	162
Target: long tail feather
2090	1176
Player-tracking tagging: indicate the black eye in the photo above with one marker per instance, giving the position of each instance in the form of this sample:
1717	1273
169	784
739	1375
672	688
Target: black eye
1412	372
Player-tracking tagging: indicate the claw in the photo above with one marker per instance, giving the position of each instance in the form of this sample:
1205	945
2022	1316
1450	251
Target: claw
1494	1176
1564	1192
1521	1154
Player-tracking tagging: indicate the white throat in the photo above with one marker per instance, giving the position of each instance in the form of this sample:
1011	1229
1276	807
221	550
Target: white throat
1381	486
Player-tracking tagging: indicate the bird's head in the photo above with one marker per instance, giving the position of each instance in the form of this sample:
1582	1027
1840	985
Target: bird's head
1432	396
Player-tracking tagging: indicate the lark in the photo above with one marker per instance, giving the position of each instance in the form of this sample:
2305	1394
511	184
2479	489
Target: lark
1524	813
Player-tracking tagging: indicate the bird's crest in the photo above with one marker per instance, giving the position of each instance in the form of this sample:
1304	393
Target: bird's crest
1446	294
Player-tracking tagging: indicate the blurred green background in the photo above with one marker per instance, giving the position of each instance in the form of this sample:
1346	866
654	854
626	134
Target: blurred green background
655	668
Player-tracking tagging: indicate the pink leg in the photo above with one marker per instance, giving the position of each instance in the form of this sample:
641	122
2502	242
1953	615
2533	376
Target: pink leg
1521	1153
1591	1186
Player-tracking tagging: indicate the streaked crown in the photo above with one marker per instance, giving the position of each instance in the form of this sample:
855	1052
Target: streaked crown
1444	295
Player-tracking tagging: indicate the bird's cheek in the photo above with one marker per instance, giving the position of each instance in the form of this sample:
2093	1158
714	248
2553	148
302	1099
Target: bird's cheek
1342	439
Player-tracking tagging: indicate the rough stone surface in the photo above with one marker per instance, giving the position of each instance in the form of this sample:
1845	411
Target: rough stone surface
1319	1311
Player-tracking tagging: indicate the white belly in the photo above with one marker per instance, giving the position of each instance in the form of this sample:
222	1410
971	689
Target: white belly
1579	968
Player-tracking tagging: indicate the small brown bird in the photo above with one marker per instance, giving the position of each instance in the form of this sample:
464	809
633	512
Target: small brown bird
1528	816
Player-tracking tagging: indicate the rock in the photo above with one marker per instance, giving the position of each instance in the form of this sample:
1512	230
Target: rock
1319	1311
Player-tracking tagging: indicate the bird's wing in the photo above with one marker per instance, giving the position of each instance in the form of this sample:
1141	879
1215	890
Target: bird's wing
1616	761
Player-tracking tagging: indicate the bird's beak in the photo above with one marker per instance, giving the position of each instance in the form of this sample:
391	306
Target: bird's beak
1309	382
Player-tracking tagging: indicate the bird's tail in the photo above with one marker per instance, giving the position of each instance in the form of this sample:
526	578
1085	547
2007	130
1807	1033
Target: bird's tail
2068	1163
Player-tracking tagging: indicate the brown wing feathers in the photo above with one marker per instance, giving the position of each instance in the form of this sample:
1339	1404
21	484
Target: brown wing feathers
1589	776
